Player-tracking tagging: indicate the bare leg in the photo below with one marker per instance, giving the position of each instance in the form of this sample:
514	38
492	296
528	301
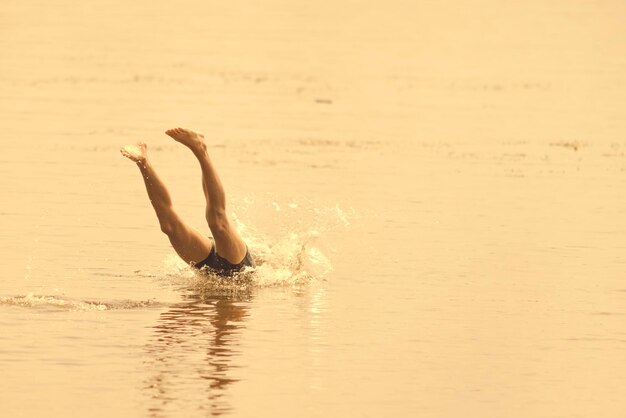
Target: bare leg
190	244
228	243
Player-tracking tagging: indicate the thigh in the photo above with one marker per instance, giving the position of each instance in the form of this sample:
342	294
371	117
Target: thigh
189	243
229	244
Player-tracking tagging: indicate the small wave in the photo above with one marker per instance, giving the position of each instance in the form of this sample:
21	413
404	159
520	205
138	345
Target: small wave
41	301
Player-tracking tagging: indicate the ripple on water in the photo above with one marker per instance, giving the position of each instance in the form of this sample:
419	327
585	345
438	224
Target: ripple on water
44	302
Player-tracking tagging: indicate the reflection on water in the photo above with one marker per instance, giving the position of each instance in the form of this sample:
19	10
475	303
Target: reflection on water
193	352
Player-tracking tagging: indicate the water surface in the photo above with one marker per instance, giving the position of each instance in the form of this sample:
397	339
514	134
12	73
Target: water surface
433	192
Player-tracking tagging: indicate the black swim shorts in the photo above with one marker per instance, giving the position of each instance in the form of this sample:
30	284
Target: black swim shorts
214	263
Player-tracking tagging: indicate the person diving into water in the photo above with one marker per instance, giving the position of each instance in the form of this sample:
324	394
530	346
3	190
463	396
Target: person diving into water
225	253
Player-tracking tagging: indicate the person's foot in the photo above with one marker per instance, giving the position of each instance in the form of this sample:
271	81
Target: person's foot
137	152
187	137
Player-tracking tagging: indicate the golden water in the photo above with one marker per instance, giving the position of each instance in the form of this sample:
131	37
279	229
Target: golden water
434	191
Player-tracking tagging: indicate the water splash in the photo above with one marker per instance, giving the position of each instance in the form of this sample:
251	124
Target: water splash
289	242
290	239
